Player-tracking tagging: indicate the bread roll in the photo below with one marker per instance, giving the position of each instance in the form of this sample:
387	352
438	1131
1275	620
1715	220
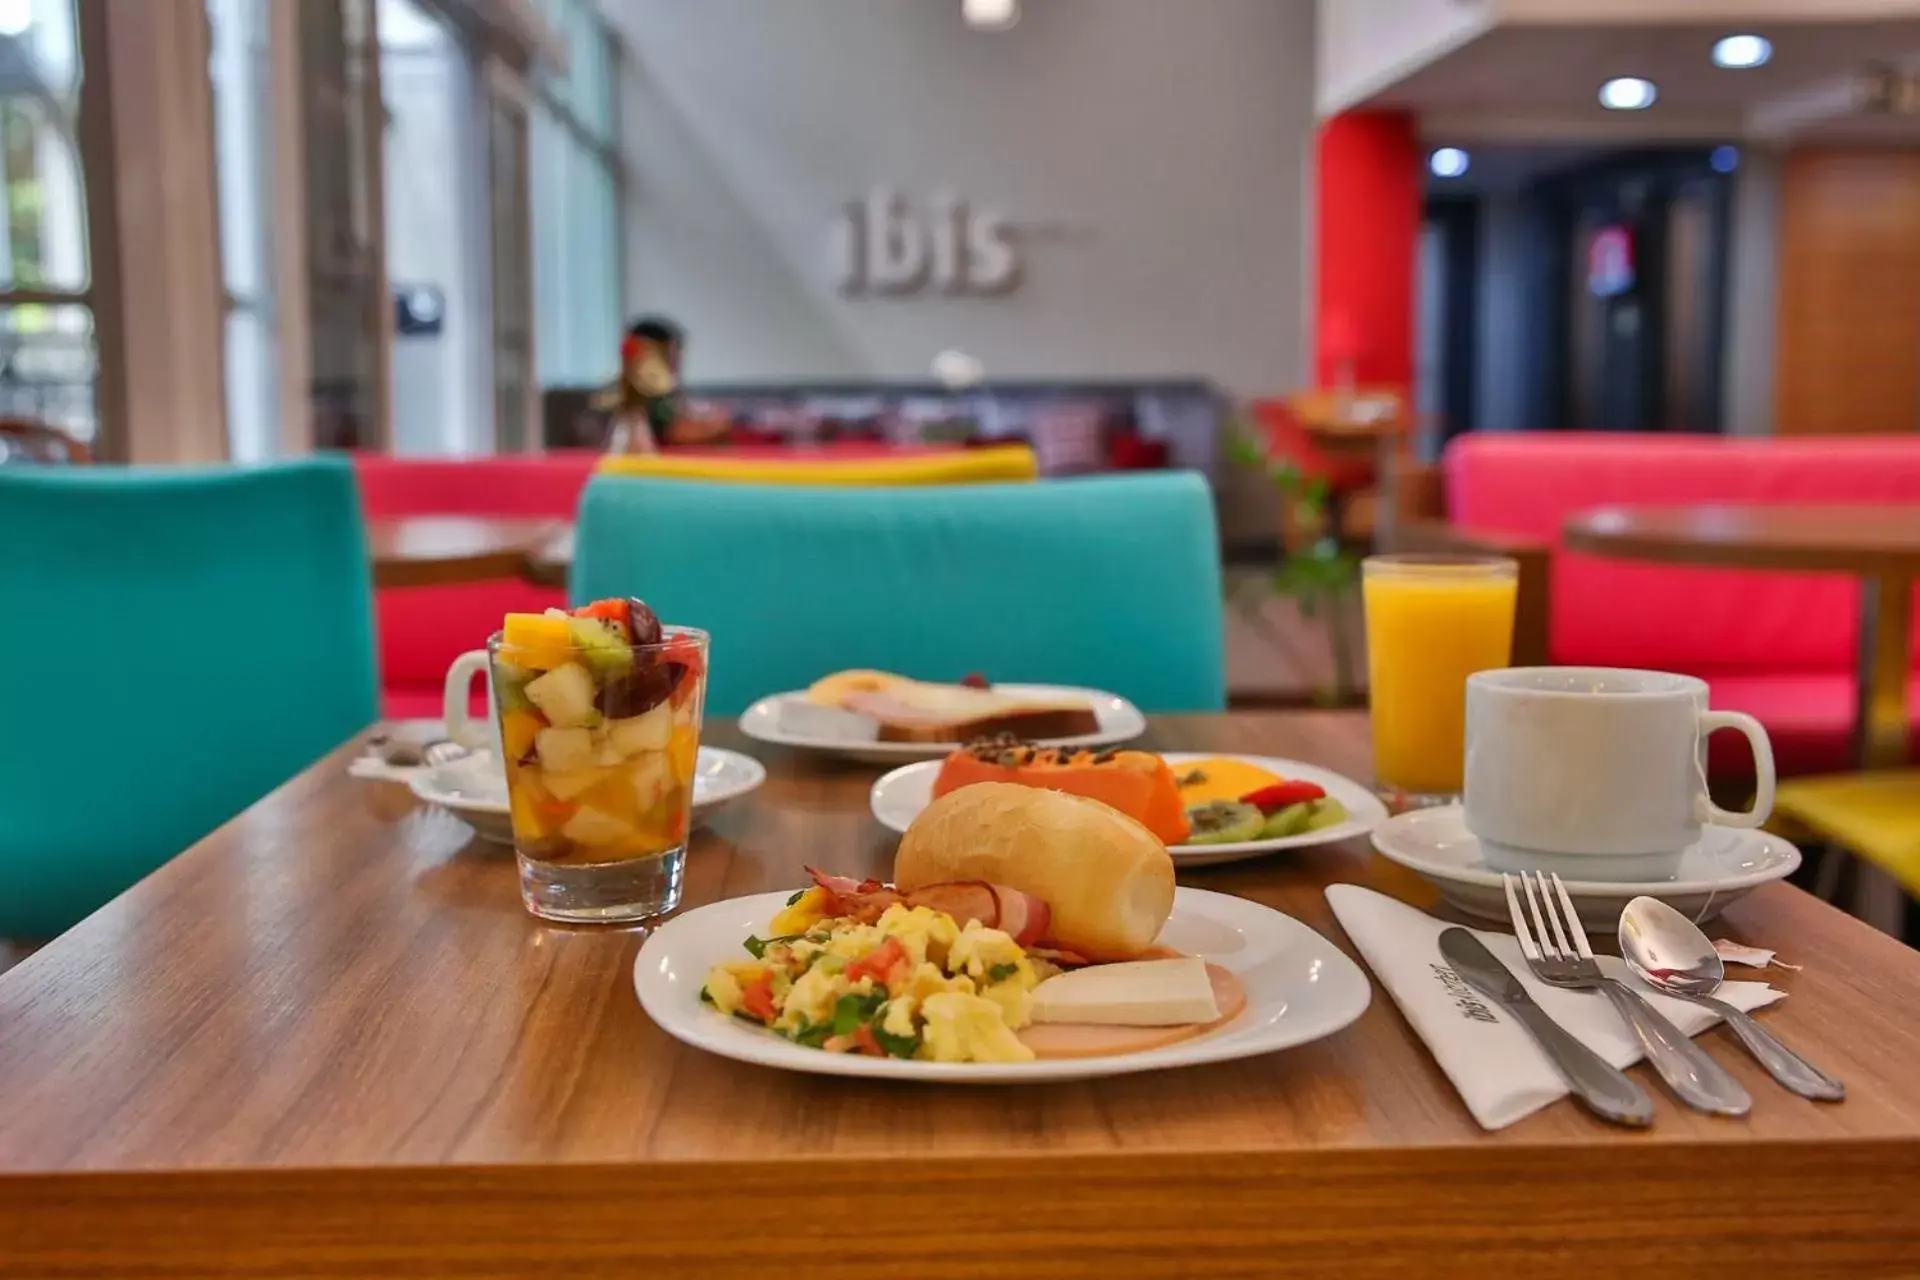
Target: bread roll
1108	881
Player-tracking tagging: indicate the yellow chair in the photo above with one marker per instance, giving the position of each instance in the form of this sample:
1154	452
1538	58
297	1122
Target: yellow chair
992	465
1875	816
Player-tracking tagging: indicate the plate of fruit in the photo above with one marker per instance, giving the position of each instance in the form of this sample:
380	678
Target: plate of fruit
1204	808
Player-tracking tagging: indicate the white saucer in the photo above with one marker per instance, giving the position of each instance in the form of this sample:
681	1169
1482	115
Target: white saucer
898	797
1725	865
474	790
1120	721
1299	987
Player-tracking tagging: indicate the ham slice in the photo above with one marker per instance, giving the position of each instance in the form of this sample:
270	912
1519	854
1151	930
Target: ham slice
1021	915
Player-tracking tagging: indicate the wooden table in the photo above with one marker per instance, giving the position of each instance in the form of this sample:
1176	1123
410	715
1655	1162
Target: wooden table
327	1041
430	550
1879	545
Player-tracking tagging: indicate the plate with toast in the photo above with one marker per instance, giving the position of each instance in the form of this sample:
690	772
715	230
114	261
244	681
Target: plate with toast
881	718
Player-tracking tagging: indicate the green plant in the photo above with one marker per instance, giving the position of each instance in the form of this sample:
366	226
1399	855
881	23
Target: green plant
1321	571
1317	573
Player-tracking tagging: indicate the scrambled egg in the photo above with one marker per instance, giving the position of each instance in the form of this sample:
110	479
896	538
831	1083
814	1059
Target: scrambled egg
912	984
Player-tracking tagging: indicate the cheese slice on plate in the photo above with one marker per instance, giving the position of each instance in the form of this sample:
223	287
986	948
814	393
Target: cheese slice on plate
1138	993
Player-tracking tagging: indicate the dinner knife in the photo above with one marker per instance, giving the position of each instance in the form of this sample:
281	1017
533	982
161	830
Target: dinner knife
1602	1087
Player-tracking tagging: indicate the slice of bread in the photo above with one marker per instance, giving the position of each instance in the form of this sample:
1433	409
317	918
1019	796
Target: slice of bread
915	711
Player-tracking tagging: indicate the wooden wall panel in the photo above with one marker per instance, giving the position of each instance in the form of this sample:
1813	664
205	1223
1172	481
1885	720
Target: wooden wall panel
1848	348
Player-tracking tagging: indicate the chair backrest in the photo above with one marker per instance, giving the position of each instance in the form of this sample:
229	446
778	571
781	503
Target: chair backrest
1111	582
545	484
423	629
177	643
989	464
1672	616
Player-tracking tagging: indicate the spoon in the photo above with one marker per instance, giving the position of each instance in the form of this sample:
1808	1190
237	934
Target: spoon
1668	952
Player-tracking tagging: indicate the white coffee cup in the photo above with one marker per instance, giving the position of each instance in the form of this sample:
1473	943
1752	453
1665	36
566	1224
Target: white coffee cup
1597	772
461	726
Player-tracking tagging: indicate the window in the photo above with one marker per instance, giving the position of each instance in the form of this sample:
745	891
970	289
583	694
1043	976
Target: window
242	113
48	358
578	283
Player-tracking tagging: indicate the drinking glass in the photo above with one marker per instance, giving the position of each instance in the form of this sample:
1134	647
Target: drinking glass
1432	621
600	746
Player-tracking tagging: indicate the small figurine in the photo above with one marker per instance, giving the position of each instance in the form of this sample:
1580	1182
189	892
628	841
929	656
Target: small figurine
644	402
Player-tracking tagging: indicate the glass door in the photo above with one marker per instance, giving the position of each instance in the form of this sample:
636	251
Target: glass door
510	233
347	294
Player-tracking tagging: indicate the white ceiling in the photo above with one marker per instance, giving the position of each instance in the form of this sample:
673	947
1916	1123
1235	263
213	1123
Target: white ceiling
1542	81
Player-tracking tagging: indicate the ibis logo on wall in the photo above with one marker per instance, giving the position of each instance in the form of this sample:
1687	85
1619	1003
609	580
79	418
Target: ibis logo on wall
886	244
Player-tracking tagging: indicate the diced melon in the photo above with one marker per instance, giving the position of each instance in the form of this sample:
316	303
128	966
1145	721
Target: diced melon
592	827
684	752
613	794
565	696
636	735
529	823
535	641
571	784
517	732
564	750
652	780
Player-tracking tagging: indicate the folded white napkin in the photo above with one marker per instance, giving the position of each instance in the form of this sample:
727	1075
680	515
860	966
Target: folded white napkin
1494	1062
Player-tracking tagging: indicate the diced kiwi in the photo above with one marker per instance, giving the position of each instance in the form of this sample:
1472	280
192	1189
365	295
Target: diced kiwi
1224	822
510	686
606	651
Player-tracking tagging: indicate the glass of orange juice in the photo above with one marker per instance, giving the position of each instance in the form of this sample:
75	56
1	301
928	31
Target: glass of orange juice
1432	621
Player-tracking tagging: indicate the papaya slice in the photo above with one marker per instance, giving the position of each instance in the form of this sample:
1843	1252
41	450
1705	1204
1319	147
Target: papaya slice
1137	783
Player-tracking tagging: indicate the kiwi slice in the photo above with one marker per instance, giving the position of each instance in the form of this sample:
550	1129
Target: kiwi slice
1224	822
1327	812
1290	821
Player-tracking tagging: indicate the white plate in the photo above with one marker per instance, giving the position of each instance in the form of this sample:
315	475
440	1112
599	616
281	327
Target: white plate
1299	987
1725	865
1119	720
898	797
474	790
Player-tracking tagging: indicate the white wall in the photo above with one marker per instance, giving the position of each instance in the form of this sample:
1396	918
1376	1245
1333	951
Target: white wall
1171	142
1366	45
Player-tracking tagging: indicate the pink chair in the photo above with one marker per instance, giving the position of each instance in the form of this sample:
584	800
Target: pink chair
1779	646
423	629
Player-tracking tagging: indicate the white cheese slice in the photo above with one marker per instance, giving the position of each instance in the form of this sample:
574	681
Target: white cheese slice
1138	993
803	719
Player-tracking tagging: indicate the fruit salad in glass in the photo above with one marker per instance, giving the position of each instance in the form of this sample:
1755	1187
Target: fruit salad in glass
600	725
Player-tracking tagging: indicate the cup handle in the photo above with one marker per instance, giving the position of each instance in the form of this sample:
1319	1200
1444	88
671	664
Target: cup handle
1756	736
473	734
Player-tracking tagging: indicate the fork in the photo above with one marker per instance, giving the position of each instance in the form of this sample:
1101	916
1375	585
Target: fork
1562	958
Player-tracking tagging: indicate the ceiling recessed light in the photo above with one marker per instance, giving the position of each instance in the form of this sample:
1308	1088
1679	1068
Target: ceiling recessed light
1628	93
1736	52
1447	162
990	15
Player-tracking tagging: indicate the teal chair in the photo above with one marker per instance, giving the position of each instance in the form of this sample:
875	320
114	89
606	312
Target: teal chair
175	643
1111	582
